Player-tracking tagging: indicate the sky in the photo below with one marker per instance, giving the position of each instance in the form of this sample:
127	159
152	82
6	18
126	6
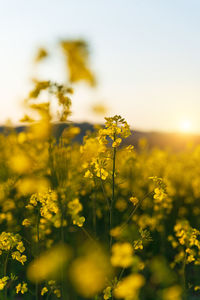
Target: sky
145	53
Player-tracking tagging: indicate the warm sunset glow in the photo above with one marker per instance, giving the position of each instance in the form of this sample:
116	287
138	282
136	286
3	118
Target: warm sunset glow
185	126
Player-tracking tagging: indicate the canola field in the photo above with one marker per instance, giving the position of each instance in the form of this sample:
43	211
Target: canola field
97	219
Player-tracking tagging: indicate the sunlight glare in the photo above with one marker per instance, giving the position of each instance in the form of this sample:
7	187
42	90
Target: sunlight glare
185	126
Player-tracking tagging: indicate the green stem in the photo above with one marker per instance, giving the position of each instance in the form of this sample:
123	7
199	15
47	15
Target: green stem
5	265
48	295
88	235
104	194
134	210
5	273
62	228
62	237
113	191
108	205
121	274
184	278
37	250
94	219
38	231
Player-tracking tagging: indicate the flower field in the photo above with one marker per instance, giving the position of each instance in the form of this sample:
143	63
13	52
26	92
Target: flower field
97	219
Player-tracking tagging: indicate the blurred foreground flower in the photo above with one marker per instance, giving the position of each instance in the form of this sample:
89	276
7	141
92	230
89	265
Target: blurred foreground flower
129	287
172	293
122	255
20	163
89	273
99	109
31	185
41	54
49	263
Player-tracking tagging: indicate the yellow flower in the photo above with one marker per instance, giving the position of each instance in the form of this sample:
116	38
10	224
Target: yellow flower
115	232
122	255
138	245
134	200
48	264
116	143
88	174
21	258
44	290
128	288
20	247
79	221
159	195
88	273
75	206
101	172
51	282
21	288
3	282
107	293
172	293
20	163
57	293
26	222
129	148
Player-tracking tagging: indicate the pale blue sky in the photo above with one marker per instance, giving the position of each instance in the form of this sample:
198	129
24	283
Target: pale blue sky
146	54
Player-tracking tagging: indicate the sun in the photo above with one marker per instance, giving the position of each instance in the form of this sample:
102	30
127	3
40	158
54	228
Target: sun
185	126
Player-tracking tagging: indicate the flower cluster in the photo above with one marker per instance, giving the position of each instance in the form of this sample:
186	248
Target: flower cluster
3	282
187	241
21	288
12	244
48	206
74	207
115	129
51	288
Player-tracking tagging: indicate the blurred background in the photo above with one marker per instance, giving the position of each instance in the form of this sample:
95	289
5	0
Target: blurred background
145	55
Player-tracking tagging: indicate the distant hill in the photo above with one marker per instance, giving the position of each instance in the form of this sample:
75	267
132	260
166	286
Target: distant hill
162	140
